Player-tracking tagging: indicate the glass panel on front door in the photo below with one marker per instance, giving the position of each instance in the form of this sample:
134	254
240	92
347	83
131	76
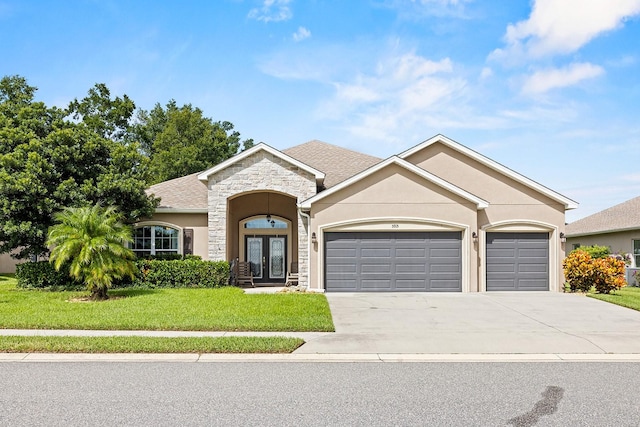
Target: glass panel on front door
268	258
254	255
276	257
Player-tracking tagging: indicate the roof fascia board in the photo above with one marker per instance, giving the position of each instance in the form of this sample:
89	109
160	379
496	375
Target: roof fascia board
480	203
204	176
567	202
594	233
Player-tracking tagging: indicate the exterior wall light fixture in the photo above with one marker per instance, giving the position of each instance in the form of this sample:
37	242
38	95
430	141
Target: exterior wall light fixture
563	238
314	239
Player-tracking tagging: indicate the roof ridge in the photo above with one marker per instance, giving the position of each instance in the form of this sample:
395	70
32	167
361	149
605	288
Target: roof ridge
317	141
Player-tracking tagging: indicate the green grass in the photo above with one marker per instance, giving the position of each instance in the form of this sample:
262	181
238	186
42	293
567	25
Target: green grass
224	309
627	297
40	344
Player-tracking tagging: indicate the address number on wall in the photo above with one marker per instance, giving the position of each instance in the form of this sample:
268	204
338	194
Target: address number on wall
395	225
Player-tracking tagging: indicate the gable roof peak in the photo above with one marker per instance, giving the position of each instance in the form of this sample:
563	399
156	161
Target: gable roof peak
439	138
479	202
204	176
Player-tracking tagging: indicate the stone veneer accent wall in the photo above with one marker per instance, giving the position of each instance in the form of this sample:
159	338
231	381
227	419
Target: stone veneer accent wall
260	171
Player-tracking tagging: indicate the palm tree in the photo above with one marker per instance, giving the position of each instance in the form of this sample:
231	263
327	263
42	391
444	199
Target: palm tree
92	240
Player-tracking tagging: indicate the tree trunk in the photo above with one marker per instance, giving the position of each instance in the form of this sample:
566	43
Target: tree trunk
99	294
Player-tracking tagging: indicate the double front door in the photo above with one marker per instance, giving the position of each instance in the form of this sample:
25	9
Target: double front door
268	258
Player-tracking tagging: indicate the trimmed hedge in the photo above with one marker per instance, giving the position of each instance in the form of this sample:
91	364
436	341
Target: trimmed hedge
42	275
188	273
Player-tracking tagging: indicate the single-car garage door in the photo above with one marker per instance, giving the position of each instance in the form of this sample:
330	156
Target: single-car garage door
393	261
517	261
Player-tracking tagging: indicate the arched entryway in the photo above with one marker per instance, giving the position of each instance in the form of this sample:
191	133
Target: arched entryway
262	229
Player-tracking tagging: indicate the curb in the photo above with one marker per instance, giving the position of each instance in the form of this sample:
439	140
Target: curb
315	358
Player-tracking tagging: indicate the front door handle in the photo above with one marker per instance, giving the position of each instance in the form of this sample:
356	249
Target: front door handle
264	263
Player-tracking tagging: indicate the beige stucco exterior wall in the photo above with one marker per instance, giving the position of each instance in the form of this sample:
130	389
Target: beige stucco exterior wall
513	206
8	264
394	199
195	221
618	242
260	171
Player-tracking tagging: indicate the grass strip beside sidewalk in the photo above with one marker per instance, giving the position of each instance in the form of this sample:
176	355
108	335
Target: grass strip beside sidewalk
137	344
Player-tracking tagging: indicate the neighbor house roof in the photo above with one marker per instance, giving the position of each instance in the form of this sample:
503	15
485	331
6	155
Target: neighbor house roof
184	194
337	163
395	160
622	217
567	202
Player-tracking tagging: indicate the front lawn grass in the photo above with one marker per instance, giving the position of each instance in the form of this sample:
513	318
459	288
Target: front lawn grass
627	297
40	344
224	309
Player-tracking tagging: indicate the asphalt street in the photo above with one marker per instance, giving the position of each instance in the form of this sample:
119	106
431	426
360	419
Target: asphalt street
327	394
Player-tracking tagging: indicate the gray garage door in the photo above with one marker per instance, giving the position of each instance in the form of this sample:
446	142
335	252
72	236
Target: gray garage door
393	262
517	261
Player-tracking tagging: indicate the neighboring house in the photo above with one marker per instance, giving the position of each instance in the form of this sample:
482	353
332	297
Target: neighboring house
8	264
437	217
617	227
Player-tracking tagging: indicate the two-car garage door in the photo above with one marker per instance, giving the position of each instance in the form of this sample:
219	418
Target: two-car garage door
393	261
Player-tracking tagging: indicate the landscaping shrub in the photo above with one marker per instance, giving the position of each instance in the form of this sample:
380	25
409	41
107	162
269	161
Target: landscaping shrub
191	272
187	273
42	275
583	272
595	251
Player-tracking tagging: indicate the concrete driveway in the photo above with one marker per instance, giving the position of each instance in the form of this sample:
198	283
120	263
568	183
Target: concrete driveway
495	323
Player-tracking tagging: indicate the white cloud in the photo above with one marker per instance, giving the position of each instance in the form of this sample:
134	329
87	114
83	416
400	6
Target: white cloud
301	34
403	92
486	73
272	11
561	27
545	80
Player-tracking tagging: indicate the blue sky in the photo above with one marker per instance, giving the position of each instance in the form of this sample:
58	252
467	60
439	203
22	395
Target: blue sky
548	88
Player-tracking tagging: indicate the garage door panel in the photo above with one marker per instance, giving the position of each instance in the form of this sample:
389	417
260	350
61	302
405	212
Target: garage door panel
375	268
343	253
445	269
393	261
411	268
501	268
409	285
517	261
443	285
533	268
411	252
376	284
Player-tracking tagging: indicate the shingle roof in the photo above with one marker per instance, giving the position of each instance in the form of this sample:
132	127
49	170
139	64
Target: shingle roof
181	193
336	162
625	216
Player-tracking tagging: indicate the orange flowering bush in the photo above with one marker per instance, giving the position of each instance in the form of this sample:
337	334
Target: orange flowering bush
583	272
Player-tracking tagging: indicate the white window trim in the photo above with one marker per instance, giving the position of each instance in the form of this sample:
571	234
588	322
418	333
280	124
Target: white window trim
161	224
